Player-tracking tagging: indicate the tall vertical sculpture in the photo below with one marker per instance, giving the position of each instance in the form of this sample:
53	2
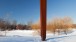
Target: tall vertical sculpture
43	18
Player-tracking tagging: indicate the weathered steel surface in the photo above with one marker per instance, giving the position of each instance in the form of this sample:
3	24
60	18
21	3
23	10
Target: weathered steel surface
43	19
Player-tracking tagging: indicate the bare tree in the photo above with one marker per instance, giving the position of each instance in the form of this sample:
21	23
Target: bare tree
29	24
67	24
60	24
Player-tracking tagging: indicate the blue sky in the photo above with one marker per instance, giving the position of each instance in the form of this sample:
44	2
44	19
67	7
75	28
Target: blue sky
61	8
26	10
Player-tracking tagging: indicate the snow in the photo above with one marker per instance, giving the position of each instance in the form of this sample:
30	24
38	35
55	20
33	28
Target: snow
28	36
20	33
19	39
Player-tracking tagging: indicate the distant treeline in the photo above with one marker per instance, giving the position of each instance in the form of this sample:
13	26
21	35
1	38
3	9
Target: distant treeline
12	25
55	25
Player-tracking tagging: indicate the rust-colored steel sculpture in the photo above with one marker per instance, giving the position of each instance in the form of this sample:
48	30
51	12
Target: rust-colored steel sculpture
43	19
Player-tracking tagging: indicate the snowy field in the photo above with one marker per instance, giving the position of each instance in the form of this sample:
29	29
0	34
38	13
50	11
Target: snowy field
28	36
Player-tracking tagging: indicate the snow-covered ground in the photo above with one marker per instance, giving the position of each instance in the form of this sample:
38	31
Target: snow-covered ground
30	36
